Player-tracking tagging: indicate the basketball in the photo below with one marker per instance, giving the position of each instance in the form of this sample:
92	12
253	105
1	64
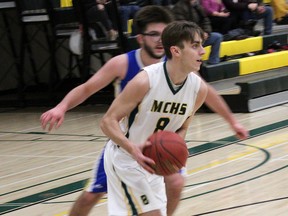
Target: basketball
168	150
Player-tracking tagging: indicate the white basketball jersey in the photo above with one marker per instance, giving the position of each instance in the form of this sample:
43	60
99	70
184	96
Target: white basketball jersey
163	108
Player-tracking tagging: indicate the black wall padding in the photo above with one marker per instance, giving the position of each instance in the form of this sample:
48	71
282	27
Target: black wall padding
263	87
269	39
237	103
220	71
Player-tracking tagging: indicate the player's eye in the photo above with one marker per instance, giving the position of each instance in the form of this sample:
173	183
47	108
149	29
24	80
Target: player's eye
195	45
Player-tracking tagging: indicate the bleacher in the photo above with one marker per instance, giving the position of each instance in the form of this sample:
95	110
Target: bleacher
266	1
247	83
242	65
253	79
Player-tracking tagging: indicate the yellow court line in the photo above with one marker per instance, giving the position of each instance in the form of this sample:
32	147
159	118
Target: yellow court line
62	214
266	143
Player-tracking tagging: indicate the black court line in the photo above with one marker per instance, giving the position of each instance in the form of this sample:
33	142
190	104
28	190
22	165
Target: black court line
52	134
242	206
236	184
265	160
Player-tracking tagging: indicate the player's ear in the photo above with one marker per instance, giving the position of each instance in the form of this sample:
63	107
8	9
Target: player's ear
175	50
139	38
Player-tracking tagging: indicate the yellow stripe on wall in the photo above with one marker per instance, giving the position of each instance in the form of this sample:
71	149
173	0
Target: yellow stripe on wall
65	3
207	52
263	62
130	23
236	47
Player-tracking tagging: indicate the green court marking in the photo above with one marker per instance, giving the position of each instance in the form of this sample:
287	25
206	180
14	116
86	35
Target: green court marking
77	186
45	182
232	139
41	197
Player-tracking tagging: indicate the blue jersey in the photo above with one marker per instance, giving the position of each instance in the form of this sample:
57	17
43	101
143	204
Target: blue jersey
134	66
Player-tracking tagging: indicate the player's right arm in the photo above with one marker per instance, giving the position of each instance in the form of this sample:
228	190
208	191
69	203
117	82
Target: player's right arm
122	106
113	69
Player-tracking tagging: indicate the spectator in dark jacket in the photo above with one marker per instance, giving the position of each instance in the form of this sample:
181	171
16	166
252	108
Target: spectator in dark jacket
96	12
246	10
191	10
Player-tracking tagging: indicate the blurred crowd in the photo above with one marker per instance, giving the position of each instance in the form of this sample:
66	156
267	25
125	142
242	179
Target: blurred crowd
221	20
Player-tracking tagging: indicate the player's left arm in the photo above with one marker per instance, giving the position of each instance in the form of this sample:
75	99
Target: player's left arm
217	104
202	93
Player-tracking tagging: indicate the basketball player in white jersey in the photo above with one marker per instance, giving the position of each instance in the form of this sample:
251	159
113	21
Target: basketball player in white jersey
151	20
147	103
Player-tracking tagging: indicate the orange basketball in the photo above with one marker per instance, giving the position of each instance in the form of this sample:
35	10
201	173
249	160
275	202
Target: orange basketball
169	152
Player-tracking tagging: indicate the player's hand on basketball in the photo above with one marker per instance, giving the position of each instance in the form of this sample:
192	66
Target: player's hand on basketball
146	162
52	118
240	131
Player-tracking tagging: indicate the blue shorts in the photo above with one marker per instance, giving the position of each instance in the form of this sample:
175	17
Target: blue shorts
98	182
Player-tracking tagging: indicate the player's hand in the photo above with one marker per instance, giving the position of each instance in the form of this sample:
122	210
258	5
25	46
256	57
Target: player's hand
206	35
224	14
240	131
252	6
53	117
146	162
261	9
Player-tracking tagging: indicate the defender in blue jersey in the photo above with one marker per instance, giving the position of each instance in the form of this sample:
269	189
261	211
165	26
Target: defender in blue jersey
149	22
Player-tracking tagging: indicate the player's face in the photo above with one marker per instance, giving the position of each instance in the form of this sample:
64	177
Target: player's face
192	54
151	40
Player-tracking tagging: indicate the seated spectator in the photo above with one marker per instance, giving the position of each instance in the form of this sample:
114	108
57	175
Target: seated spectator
143	3
96	13
191	10
246	11
162	2
127	11
280	8
219	16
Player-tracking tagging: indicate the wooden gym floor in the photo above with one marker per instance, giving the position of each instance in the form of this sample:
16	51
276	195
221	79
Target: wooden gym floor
41	174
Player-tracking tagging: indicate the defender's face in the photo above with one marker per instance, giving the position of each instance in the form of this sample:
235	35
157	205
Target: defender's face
151	40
